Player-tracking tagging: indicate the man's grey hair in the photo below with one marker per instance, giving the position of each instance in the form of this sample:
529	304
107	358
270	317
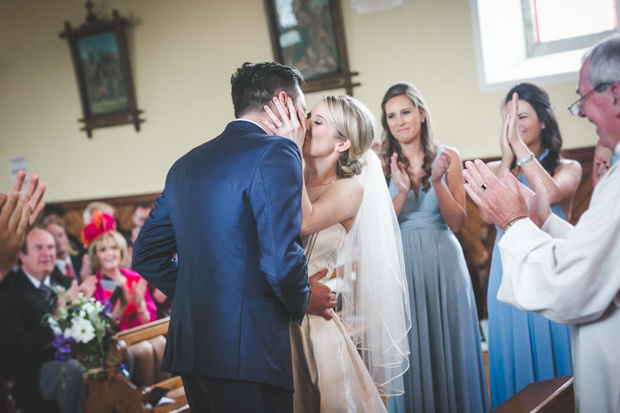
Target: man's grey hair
604	59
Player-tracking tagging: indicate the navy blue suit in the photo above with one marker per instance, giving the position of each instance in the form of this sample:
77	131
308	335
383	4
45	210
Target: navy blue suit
231	210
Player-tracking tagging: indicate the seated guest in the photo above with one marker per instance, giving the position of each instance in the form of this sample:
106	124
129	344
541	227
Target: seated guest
27	354
100	207
52	214
107	249
69	265
140	214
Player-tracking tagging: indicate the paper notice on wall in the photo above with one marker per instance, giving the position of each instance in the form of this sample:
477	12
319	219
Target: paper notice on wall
16	165
369	6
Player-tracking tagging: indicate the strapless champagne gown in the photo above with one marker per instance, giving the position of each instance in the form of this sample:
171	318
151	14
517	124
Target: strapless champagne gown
329	374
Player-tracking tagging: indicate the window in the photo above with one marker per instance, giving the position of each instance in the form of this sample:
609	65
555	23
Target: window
539	41
553	26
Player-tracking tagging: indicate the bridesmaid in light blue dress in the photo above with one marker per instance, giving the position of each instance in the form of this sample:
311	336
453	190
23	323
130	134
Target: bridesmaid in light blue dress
525	347
446	371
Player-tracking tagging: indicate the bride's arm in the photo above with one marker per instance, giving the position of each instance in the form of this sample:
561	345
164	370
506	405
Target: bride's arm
338	203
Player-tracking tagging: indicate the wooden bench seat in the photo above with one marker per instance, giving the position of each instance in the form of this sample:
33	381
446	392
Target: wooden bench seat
546	396
116	393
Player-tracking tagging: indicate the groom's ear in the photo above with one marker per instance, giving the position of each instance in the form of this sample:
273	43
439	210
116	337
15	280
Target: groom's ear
283	98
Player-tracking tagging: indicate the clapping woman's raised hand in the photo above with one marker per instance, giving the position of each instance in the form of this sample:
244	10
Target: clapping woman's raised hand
504	144
400	177
512	119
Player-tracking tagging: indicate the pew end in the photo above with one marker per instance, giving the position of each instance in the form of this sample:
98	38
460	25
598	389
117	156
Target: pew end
546	396
117	393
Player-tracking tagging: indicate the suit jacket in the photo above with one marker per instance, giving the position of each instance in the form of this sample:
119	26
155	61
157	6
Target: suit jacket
25	341
231	209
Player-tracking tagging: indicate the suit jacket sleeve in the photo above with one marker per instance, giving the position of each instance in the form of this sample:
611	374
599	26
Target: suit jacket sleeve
275	196
568	275
153	251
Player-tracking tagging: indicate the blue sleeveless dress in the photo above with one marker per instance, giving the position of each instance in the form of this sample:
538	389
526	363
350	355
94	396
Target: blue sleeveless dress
524	347
446	372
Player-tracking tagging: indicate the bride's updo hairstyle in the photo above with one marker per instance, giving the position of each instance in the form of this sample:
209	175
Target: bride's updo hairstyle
354	122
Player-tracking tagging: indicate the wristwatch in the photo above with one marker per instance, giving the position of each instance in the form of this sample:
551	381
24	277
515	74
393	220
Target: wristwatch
523	161
511	223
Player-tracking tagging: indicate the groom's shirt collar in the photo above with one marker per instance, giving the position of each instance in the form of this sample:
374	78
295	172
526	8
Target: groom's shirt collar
251	121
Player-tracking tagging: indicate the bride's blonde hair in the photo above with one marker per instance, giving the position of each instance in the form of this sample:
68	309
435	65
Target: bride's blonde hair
354	122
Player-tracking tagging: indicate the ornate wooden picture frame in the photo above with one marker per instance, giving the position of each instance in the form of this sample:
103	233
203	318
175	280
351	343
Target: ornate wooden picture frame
309	35
101	63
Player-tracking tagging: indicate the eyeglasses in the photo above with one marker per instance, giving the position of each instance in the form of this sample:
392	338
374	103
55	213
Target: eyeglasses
575	108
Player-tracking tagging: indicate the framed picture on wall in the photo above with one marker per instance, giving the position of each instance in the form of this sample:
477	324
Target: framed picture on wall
309	35
101	64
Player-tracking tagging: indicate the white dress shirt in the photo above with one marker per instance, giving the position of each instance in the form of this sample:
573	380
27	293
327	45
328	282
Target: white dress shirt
36	282
64	264
571	275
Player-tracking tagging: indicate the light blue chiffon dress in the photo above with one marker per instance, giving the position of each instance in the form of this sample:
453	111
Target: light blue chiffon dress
524	347
447	370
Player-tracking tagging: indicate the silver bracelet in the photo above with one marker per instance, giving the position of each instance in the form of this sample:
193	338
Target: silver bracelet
523	161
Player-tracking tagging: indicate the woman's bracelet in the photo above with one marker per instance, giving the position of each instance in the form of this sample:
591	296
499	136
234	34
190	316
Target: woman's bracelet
523	161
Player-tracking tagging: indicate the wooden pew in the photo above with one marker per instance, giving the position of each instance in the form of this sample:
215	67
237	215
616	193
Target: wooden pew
547	396
116	393
8	404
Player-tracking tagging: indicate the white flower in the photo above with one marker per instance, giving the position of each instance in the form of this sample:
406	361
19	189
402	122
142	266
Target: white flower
81	330
62	313
91	310
54	326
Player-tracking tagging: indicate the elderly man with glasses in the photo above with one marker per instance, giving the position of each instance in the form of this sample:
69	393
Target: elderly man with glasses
569	274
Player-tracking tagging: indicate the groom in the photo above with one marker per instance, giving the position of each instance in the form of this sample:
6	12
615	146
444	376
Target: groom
231	210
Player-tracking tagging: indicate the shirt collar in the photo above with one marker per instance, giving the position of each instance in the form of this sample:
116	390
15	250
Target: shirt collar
36	282
251	121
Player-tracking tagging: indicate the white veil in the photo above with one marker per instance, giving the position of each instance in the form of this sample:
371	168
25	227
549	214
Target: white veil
374	292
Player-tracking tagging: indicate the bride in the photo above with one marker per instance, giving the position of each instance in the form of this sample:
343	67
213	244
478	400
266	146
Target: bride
345	203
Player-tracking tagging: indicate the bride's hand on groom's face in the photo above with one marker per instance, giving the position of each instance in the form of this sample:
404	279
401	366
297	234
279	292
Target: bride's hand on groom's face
291	122
321	297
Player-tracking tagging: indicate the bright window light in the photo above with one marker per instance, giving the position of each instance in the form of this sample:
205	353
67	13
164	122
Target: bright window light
564	19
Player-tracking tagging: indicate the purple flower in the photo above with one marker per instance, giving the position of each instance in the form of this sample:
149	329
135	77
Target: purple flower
61	357
58	341
63	347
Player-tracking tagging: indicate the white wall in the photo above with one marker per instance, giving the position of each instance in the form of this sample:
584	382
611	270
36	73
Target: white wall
183	53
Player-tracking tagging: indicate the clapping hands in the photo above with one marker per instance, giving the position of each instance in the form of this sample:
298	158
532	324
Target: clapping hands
400	177
18	214
440	167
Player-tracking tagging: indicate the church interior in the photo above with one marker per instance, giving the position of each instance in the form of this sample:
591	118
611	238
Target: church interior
182	55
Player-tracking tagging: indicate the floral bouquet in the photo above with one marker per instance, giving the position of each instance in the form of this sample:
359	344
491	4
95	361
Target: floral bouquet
82	329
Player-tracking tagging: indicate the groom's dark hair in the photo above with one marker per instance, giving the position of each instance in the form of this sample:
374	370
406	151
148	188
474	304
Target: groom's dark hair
254	84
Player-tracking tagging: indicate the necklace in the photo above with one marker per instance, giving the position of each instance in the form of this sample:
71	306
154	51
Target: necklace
326	183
